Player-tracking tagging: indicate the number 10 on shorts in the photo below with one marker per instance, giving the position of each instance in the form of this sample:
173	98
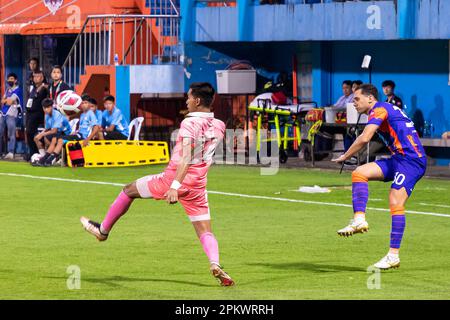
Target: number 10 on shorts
399	178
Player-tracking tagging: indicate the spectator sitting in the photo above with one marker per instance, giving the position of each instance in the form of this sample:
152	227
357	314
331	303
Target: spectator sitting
388	90
88	129
355	85
446	135
94	107
98	113
115	126
56	125
348	95
58	85
8	115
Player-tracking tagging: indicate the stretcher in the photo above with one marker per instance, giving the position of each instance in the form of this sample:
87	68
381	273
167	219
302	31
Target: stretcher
116	153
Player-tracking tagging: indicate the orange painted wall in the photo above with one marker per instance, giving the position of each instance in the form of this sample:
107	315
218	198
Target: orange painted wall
29	10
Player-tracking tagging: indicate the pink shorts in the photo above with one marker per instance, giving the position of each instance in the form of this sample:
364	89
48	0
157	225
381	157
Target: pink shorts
194	202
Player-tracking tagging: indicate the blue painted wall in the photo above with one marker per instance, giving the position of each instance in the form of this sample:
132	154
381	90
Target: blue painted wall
402	19
268	59
123	90
419	68
329	21
432	19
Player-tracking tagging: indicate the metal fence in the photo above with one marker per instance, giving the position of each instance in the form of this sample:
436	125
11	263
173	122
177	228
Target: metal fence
229	3
123	40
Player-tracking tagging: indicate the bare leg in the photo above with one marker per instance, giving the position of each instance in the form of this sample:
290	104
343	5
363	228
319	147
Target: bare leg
51	147
59	146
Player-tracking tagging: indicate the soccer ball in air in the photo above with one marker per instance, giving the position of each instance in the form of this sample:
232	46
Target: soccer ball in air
68	103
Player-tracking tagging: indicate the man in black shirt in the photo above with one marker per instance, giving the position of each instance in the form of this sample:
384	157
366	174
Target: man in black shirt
58	85
388	90
34	112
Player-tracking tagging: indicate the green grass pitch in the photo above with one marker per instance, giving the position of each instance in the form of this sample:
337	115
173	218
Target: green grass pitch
273	249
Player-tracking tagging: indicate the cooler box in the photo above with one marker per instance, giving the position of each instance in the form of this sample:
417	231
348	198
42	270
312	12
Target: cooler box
352	115
330	114
236	81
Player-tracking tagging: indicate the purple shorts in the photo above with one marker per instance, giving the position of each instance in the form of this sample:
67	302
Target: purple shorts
404	172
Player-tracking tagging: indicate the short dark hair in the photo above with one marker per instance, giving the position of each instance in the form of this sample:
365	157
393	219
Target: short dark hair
204	91
388	83
347	82
34	59
358	82
57	67
11	74
109	98
39	72
369	89
47	103
92	101
85	97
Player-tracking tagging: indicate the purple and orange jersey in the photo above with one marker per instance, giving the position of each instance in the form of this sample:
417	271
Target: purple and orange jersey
396	130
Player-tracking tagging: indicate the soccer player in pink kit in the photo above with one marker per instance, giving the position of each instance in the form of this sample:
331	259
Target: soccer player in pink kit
184	179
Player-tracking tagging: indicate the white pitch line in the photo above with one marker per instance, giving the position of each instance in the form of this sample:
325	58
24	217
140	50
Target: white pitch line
228	194
434	205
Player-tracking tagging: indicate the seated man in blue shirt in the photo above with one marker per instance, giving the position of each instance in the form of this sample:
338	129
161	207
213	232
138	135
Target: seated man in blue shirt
115	126
56	125
94	107
88	127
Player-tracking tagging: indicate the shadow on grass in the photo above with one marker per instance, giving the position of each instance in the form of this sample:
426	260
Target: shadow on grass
117	281
307	266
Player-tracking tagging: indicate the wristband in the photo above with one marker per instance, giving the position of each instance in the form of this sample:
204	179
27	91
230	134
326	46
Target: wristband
175	185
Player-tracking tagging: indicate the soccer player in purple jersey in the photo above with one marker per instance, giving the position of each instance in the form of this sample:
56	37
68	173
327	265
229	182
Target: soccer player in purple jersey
405	168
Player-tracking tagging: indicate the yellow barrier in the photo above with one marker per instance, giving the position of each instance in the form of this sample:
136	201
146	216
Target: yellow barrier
122	153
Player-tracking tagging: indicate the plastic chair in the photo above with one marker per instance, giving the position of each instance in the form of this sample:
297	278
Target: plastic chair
136	124
73	125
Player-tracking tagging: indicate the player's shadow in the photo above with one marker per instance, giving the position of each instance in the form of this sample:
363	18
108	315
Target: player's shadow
308	266
117	281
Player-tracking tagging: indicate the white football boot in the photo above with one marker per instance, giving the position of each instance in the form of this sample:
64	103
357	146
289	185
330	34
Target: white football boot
9	156
93	228
355	226
223	277
388	262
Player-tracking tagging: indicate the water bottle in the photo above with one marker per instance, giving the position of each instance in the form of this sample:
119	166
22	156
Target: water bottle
116	59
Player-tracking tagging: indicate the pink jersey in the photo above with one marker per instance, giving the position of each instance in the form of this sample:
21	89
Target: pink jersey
205	133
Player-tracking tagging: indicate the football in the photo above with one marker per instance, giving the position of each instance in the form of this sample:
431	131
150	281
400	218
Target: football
35	158
68	103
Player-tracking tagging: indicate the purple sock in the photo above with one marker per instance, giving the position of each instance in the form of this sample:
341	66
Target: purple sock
398	227
360	196
360	192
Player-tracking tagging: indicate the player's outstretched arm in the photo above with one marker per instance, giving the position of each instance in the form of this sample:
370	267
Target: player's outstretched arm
172	194
359	143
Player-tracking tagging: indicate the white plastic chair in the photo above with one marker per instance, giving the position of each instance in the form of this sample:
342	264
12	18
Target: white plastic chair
136	124
73	125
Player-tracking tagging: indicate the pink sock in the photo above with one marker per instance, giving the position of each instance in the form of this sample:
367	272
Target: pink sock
211	247
117	209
